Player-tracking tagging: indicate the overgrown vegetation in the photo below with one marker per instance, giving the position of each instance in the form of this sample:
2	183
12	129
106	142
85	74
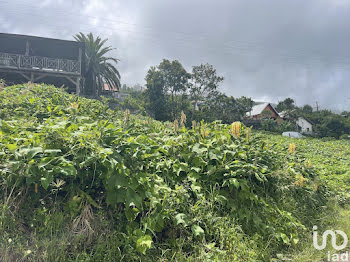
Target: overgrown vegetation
82	182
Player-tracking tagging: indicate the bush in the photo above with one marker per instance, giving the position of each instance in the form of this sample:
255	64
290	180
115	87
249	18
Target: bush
269	125
273	126
91	176
325	139
345	137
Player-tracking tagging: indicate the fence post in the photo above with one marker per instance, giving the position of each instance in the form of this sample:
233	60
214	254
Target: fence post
18	61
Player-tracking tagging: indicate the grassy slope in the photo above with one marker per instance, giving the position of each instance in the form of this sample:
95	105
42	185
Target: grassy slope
81	182
330	158
332	161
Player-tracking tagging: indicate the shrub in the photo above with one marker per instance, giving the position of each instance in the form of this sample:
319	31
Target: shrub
345	137
154	186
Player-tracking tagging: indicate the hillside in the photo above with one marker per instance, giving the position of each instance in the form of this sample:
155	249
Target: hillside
82	182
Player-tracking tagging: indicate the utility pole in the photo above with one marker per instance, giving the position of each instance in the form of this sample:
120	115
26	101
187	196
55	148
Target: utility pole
316	106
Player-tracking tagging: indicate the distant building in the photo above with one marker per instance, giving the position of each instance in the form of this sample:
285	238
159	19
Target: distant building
114	92
107	91
263	110
286	115
26	58
304	125
122	95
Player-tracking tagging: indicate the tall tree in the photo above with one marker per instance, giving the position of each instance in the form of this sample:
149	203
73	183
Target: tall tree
175	79
100	69
156	94
204	82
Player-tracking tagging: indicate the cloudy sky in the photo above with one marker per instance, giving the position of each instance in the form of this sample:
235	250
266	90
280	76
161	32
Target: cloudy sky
265	49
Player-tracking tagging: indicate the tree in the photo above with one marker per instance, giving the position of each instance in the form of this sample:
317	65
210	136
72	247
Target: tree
286	105
333	127
204	82
99	68
156	94
218	106
170	79
307	109
175	80
246	104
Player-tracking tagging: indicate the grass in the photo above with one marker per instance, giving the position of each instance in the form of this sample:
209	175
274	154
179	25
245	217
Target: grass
332	160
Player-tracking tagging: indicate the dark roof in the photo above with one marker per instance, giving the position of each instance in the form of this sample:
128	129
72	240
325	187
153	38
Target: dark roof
40	46
307	119
31	37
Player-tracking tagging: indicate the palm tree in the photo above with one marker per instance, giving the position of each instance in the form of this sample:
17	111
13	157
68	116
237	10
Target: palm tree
99	68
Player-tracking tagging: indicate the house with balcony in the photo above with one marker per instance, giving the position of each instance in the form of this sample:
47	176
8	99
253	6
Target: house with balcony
26	58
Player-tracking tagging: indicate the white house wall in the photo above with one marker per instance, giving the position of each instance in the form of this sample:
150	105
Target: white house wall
304	125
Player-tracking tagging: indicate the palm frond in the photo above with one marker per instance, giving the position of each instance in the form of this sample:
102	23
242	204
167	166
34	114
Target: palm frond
101	67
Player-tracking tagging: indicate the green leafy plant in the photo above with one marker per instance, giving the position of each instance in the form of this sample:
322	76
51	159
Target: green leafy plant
154	190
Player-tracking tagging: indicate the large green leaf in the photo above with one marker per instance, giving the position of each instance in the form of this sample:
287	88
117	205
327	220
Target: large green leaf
131	213
30	152
144	243
68	169
132	198
197	230
12	147
46	180
181	219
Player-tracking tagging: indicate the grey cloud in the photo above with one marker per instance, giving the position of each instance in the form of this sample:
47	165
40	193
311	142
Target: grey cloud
266	49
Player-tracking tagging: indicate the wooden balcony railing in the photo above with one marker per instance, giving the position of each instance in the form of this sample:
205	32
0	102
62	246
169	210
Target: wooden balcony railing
45	64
